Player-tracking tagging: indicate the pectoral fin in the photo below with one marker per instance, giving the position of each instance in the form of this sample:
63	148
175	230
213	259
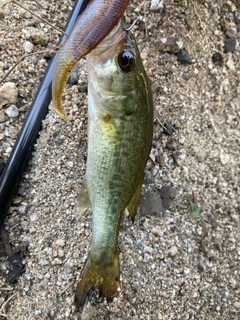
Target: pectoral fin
84	203
134	202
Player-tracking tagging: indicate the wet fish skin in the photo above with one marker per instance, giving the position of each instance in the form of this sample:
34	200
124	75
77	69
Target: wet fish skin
120	115
99	18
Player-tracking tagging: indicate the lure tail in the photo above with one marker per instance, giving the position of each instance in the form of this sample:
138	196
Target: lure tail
96	22
104	274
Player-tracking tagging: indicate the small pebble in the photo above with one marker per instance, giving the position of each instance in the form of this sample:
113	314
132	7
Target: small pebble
24	14
168	128
230	64
179	156
171	144
22	209
177	124
237	304
60	253
183	57
230	45
147	249
83	86
33	218
148	178
231	33
38	37
160	159
27	277
188	75
201	155
224	158
59	142
13	132
43	262
217	57
9	92
157	231
12	111
1	14
156	5
181	140
173	251
167	195
2	65
171	44
146	257
2	116
28	47
56	261
29	23
60	242
224	24
90	312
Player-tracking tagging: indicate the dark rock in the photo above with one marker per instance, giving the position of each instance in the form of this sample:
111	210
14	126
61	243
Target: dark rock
148	178
141	26
17	267
83	86
167	195
84	156
217	57
183	57
154	144
73	79
200	268
150	203
160	159
59	142
171	144
179	156
168	128
230	45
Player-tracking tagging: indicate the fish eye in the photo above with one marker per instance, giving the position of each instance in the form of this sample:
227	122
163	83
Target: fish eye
126	61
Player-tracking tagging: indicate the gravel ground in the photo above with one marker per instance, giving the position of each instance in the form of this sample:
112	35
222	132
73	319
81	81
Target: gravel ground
174	265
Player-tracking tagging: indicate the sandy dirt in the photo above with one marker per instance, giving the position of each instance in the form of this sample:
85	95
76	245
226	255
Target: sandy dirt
174	265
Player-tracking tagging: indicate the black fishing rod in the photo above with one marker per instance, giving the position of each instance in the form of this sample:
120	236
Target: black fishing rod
29	132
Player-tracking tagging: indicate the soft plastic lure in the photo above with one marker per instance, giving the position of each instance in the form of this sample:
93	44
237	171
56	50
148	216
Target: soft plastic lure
96	22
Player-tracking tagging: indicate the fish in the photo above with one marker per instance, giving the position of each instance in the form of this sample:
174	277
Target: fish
91	27
120	129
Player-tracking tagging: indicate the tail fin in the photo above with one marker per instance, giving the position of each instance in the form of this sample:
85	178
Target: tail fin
103	274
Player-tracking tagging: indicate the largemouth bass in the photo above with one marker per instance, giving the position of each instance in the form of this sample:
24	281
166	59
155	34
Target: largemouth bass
92	26
120	115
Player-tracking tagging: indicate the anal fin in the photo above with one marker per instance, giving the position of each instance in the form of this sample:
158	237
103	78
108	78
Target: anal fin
83	204
134	202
